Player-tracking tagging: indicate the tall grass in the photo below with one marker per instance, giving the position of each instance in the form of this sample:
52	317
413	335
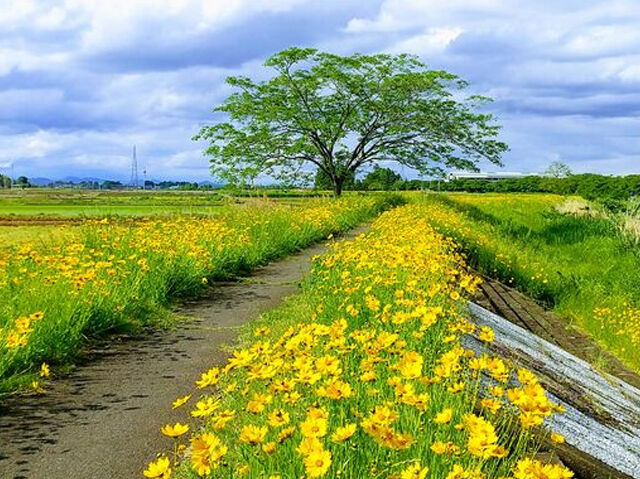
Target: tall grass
578	265
120	273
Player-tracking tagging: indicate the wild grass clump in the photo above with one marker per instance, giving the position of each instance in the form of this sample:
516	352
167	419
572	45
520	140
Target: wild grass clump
119	273
364	375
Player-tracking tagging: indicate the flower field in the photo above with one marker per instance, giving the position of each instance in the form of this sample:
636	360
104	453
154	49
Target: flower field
118	273
581	266
364	374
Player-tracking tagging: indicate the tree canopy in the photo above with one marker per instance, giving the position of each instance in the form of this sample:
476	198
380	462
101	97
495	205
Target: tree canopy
341	113
557	169
382	179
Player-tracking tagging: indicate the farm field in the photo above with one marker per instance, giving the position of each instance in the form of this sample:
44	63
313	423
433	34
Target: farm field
581	266
63	284
68	203
363	375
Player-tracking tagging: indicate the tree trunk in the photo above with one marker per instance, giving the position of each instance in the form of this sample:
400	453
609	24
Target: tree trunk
337	186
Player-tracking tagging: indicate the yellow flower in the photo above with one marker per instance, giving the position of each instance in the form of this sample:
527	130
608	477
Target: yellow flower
444	416
314	427
486	334
557	438
35	385
180	401
317	463
278	418
45	372
415	471
262	331
286	433
205	407
208	378
252	434
220	420
343	433
269	447
308	445
206	452
158	469
174	431
533	469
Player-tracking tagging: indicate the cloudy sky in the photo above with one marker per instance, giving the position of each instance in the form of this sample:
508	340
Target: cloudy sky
81	81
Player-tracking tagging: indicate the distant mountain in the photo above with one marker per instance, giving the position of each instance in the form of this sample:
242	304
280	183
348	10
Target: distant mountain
40	181
86	179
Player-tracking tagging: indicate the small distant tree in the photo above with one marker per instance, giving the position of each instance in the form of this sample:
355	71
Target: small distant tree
381	179
111	185
5	181
340	114
23	182
557	169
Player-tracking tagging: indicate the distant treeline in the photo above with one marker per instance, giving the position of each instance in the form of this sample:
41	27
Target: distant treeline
608	189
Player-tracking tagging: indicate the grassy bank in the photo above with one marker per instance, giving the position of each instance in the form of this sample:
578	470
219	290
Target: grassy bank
363	375
581	266
119	273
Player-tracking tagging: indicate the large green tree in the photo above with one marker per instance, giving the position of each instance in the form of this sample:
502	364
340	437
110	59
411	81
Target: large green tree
340	113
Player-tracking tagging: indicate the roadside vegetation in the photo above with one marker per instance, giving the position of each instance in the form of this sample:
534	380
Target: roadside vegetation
576	258
363	375
118	273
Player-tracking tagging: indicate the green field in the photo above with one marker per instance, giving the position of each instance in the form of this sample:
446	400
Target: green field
69	202
581	266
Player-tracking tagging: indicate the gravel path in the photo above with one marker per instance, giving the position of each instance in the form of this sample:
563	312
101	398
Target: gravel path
103	419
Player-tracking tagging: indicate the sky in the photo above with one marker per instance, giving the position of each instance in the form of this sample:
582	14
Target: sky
82	81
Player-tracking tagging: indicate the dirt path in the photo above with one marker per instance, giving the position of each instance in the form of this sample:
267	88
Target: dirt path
103	419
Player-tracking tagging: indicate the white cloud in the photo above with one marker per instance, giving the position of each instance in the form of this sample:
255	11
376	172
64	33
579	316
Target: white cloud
83	80
435	40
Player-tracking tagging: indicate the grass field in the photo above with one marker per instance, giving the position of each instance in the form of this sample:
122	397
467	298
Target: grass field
363	375
580	265
69	283
67	202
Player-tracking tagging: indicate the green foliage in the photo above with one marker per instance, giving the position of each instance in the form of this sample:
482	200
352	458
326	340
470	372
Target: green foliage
382	179
322	181
23	182
574	264
5	181
340	114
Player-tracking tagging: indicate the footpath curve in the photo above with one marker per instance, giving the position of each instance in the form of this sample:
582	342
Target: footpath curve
102	421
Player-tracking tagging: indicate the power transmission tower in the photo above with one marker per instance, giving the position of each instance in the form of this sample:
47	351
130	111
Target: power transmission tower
134	169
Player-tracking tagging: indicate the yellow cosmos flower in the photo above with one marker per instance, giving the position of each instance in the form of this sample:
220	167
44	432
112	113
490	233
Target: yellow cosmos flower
486	334
158	469
444	416
314	427
343	433
415	471
205	407
206	452
317	463
278	418
286	433
180	401
174	431
252	434
269	447
45	371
